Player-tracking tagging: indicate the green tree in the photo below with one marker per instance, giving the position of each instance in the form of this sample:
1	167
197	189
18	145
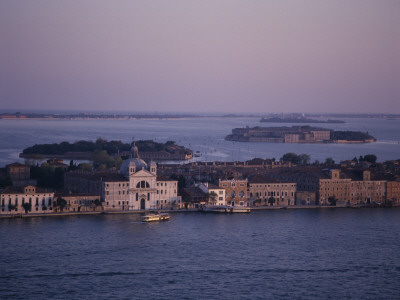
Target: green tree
291	157
332	200
329	161
304	158
27	206
370	158
60	203
271	201
213	197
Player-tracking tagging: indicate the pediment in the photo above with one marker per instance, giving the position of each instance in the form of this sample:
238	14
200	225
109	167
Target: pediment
143	173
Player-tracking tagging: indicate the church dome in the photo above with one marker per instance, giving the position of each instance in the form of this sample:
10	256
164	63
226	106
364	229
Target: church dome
132	165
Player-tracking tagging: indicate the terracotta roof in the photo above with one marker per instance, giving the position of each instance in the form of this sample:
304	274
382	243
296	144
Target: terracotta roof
214	187
21	190
163	178
17	164
98	176
265	179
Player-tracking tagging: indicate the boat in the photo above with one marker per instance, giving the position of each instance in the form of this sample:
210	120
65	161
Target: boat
155	217
225	209
240	209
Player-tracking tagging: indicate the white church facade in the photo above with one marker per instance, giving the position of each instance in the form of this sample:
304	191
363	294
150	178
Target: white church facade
142	189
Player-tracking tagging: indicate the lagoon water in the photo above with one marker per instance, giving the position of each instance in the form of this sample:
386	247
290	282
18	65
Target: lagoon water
276	254
280	254
205	135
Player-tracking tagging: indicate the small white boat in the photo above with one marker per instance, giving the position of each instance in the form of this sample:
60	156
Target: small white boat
155	217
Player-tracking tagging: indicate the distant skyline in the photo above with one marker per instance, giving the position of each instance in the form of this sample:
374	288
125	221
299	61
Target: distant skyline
201	56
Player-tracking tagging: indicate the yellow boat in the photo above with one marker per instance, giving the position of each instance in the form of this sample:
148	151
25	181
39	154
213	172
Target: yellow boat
155	217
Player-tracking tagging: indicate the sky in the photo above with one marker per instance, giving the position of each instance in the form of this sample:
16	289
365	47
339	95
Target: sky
201	56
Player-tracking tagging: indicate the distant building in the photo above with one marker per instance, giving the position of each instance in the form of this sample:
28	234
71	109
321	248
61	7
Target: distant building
393	191
135	187
216	194
20	174
79	202
351	187
194	197
271	192
235	191
14	197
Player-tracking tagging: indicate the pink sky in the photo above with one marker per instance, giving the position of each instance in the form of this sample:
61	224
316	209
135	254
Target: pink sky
206	56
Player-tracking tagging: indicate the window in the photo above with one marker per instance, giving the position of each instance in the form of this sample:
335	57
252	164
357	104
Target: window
143	184
233	194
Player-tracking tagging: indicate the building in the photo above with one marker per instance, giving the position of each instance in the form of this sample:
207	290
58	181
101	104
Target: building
194	197
20	174
79	202
393	191
135	187
215	193
17	200
271	192
367	191
336	187
235	191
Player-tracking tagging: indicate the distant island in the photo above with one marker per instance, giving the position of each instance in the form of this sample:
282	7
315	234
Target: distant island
85	150
297	134
93	116
298	120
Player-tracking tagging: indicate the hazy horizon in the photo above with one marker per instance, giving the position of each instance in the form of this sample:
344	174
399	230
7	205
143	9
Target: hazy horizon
201	56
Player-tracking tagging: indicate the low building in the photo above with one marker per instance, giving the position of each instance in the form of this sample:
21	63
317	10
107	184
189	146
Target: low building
79	203
17	200
194	197
235	191
20	174
264	191
393	191
215	193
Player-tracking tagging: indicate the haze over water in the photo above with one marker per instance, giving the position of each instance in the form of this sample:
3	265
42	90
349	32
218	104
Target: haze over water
205	135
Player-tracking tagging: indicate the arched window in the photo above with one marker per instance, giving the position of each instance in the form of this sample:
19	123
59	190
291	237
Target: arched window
241	194
143	184
233	194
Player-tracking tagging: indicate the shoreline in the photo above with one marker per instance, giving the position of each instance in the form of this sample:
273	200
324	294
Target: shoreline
191	210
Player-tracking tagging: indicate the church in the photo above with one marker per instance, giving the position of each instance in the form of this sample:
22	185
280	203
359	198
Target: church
139	188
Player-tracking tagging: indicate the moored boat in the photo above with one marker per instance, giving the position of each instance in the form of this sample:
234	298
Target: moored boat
225	209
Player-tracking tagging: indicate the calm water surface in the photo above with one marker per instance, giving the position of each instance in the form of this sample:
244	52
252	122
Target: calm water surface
285	254
205	135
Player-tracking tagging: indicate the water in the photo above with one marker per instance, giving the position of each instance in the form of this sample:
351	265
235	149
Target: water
280	254
200	134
